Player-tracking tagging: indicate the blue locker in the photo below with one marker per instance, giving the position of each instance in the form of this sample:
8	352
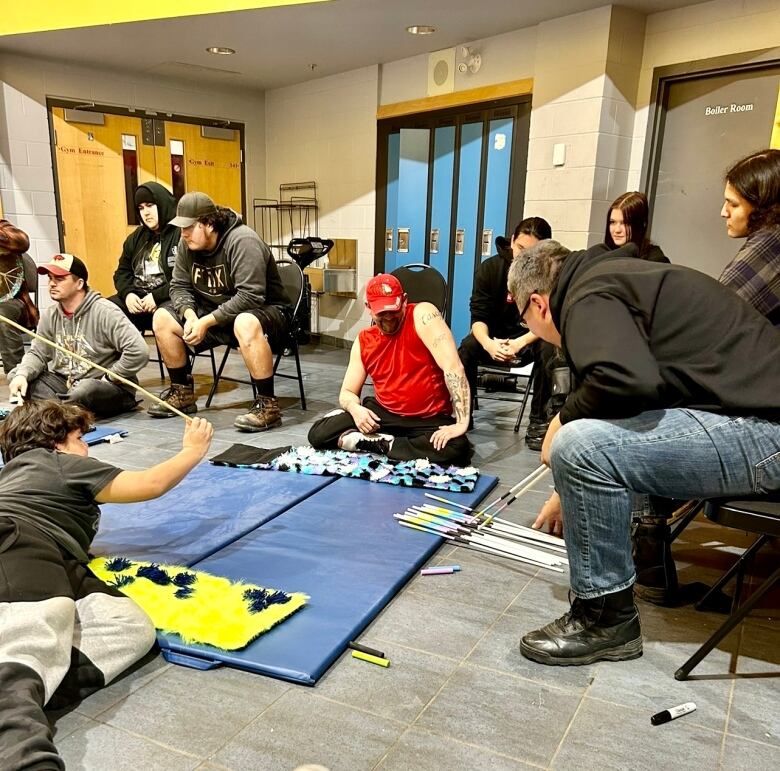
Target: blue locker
466	223
499	155
391	211
441	198
412	196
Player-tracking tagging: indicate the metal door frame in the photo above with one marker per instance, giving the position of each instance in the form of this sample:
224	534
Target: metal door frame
141	114
665	77
484	112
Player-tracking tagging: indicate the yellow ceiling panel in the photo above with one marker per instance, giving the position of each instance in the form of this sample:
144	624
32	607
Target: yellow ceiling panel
45	15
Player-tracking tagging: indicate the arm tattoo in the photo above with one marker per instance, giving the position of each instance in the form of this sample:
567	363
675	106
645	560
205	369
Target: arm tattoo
458	387
427	318
439	339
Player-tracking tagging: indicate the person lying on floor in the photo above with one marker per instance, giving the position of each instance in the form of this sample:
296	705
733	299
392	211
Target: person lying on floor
65	633
421	403
675	395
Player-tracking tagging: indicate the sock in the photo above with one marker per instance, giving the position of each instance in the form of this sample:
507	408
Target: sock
263	386
179	375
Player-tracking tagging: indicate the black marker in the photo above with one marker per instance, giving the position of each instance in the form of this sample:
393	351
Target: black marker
365	649
672	714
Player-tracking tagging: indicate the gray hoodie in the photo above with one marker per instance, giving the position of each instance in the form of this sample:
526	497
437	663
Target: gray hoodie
98	331
239	275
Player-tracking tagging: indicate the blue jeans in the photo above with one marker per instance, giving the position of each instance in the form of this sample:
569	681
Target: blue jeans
600	465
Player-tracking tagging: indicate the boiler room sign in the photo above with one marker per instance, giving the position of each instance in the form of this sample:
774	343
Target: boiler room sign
727	109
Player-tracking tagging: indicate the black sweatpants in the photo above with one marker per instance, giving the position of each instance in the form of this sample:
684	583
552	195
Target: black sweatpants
63	635
472	354
412	435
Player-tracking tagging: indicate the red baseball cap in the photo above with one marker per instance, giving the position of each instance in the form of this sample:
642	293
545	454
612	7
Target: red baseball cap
384	293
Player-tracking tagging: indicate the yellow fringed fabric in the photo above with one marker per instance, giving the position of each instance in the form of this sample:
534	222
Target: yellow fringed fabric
198	606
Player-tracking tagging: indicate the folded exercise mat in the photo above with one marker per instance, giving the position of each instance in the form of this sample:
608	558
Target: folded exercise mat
340	546
96	436
353	465
103	434
211	507
198	606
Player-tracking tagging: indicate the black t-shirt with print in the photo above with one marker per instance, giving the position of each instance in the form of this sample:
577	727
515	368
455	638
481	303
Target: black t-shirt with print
55	492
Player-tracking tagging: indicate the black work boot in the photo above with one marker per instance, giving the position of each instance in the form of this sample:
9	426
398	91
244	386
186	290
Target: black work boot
534	435
656	573
606	628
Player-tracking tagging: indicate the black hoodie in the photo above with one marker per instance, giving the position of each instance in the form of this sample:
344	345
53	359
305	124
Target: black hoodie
490	301
642	335
138	243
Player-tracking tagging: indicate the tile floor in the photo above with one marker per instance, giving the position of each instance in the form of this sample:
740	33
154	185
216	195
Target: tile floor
458	694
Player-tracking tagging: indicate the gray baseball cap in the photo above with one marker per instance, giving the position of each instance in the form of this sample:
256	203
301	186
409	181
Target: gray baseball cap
191	207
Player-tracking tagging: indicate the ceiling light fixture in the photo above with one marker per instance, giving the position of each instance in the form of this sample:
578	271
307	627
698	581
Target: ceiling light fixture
421	29
220	50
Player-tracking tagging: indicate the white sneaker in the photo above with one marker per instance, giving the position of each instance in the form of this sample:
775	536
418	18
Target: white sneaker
354	441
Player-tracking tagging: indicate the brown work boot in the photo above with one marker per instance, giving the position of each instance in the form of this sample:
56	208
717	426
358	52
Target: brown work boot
263	414
180	397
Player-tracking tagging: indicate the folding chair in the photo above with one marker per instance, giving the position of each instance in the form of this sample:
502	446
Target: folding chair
516	373
759	515
422	283
293	281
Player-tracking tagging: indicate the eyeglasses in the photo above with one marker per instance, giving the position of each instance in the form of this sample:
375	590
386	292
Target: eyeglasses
527	305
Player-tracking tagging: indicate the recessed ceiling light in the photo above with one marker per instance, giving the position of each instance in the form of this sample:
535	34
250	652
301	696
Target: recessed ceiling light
220	50
421	29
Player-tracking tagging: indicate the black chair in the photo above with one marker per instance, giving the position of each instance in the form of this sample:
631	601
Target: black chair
422	283
515	373
293	280
759	515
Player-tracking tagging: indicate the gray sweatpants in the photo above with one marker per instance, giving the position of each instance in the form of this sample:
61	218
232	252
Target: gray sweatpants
63	635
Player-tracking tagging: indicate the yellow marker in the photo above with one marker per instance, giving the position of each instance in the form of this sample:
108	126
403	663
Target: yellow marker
373	659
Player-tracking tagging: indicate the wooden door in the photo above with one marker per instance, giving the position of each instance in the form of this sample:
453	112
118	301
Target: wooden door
99	164
91	186
209	165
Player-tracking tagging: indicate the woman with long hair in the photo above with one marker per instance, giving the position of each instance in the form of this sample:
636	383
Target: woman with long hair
627	222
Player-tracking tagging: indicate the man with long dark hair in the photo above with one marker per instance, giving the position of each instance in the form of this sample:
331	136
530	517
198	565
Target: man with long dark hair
752	211
497	335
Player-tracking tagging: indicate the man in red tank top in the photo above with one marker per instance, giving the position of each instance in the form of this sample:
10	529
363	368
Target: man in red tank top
421	403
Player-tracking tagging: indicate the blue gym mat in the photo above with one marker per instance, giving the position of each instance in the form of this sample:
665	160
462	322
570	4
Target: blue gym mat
210	508
342	547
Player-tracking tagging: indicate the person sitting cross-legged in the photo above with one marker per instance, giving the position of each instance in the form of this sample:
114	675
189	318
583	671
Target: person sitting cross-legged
82	321
421	403
225	290
671	398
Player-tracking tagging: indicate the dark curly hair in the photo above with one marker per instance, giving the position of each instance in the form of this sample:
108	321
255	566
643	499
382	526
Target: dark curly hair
40	424
757	179
219	220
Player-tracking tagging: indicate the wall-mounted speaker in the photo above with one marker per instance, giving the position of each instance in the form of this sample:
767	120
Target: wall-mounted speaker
441	72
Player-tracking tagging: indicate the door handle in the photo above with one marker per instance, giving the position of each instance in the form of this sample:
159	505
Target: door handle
388	239
487	242
460	240
434	242
403	240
